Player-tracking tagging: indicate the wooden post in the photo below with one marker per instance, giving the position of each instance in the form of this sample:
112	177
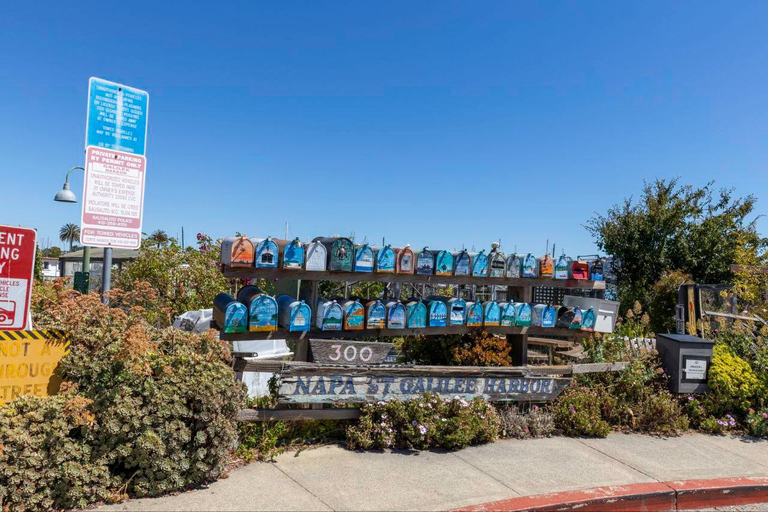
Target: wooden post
519	342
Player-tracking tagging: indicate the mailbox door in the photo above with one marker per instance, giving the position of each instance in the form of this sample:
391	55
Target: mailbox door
425	263
463	264
580	270
263	314
475	314
438	313
444	264
342	255
237	252
497	263
354	317
523	314
596	272
530	266
546	266
396	316
364	259
385	260
564	317
293	255
235	318
405	261
417	315
561	267
317	257
266	254
492	314
301	316
507	314
588	320
549	317
458	311
514	266
576	321
377	314
537	314
480	265
333	317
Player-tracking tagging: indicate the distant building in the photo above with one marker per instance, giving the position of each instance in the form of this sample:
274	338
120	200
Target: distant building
50	268
72	262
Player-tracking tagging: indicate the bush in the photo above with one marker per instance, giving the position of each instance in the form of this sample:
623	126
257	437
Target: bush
714	425
538	422
426	422
660	413
579	412
732	382
483	349
757	423
157	408
663	300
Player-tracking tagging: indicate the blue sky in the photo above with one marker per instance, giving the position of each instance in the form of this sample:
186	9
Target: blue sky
429	123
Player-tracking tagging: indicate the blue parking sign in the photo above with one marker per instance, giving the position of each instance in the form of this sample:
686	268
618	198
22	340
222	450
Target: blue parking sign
117	117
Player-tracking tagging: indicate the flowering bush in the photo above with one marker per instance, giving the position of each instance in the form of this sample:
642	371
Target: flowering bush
537	422
757	423
579	412
722	425
732	381
426	422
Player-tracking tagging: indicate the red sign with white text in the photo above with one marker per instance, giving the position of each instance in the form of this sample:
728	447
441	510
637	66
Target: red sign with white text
17	267
113	199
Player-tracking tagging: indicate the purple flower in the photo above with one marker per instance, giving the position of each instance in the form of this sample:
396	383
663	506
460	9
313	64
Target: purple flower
422	429
384	416
690	397
765	415
414	422
571	409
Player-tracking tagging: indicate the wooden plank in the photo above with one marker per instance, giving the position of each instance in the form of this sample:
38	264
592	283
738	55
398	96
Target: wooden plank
377	333
270	273
546	342
347	413
735	317
349	352
578	369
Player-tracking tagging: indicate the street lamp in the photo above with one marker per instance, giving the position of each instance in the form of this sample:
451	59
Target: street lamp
65	195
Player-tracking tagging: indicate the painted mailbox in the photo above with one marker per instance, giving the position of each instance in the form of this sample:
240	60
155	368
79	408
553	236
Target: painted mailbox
328	315
230	315
569	318
596	271
546	266
456	308
375	315
363	258
237	251
480	264
266	253
491	313
463	263
530	266
523	314
588	320
444	263
437	313
580	270
291	254
316	258
425	262
396	315
514	266
354	315
405	260
474	314
385	260
507	312
562	267
262	309
544	315
341	253
293	315
417	314
496	262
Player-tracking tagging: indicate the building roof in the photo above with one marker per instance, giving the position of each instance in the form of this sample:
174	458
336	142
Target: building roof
97	253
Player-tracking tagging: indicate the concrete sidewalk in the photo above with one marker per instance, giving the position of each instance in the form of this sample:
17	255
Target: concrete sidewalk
333	478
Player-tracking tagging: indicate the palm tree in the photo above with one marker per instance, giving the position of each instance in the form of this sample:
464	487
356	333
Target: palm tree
69	233
159	237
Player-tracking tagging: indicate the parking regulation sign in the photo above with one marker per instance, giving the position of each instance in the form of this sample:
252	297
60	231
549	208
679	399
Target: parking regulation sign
117	117
113	199
17	266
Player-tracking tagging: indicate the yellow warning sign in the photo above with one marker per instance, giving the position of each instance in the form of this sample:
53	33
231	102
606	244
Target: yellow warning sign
28	361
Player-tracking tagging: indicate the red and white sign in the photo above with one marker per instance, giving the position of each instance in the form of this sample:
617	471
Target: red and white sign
17	267
113	199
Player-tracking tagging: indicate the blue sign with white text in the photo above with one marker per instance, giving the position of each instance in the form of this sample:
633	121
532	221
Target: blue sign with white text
117	117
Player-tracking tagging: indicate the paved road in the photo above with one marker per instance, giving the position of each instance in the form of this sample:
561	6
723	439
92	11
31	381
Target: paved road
333	478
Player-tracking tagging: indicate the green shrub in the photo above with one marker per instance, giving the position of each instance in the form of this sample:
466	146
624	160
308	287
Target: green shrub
757	423
266	440
425	422
732	382
537	422
579	412
660	413
715	425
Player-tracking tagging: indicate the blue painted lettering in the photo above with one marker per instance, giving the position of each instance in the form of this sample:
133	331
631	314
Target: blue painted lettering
489	385
302	388
535	386
349	387
406	385
319	388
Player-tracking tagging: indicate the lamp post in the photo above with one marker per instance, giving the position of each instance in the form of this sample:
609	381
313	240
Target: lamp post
65	195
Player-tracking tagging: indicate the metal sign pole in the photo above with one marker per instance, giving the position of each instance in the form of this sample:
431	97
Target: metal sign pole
106	274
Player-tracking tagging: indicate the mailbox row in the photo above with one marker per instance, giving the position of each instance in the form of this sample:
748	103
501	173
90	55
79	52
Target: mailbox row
340	254
255	311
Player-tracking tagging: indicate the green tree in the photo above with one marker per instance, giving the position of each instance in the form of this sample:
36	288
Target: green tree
69	233
159	237
52	252
672	227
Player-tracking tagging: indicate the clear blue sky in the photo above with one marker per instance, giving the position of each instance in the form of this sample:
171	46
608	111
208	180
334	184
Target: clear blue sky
381	118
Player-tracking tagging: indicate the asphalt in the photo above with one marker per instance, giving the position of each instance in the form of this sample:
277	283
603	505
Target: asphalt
333	478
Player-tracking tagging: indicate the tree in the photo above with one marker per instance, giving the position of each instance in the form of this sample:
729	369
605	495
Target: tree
69	233
159	237
52	252
671	227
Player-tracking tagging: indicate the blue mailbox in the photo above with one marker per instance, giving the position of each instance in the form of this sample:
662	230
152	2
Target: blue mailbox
354	314
291	254
496	262
507	312
523	314
437	313
417	314
266	253
363	258
514	266
425	262
544	315
462	263
230	315
396	315
328	316
588	320
563	267
491	313
293	315
530	266
375	314
262	309
443	263
385	260
480	264
474	314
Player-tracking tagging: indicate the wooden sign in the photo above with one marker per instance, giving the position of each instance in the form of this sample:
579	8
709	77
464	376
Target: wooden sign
349	352
334	385
28	361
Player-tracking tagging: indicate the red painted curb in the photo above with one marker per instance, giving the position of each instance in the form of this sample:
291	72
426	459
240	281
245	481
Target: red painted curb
675	495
